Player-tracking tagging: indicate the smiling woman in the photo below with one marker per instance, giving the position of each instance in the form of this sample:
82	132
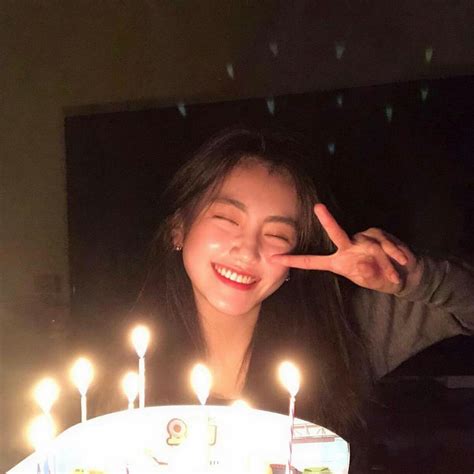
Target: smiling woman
239	215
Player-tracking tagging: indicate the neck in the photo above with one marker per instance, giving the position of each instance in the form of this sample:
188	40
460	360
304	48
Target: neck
227	342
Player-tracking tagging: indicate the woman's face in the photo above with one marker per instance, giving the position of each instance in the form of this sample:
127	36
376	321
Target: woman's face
227	249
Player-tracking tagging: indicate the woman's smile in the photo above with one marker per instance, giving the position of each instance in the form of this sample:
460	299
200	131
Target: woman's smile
235	278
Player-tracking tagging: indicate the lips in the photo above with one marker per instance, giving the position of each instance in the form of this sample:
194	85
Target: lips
236	279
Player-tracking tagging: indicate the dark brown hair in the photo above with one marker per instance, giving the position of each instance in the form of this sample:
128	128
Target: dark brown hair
304	318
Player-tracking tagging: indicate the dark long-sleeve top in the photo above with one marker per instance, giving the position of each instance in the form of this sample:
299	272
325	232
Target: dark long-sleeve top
397	327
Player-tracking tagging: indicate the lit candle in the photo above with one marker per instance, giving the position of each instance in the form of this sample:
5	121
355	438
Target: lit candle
140	340
201	382
290	378
46	392
130	387
82	374
40	433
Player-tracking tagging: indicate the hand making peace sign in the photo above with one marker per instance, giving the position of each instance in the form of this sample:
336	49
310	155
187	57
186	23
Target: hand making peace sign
372	259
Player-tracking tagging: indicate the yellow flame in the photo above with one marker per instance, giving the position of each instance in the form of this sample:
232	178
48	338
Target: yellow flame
46	392
82	374
41	432
140	340
130	386
289	377
240	404
201	381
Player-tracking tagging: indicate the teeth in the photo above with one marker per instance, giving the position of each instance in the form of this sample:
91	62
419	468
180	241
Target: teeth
246	280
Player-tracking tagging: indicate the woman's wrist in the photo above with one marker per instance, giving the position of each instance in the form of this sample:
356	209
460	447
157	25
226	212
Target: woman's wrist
412	278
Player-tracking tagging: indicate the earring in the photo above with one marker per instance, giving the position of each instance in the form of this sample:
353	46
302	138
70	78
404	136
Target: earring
288	277
178	248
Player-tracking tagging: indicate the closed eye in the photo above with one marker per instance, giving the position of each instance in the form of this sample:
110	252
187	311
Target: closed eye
280	237
224	218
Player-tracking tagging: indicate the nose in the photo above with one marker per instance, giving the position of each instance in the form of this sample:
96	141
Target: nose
246	249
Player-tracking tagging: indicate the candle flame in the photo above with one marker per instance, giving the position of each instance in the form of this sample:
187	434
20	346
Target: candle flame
46	393
41	432
82	374
140	340
201	381
130	386
290	377
240	404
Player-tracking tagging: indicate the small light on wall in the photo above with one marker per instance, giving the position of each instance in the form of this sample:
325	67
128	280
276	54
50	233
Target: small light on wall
424	91
182	109
389	113
230	70
274	48
428	54
331	148
340	48
271	105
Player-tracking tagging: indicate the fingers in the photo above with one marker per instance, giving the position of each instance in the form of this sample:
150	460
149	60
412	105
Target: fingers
335	232
381	257
305	262
392	246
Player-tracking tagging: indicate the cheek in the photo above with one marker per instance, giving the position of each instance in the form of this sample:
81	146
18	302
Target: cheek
277	272
201	243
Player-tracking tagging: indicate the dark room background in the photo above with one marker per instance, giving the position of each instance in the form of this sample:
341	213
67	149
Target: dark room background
398	157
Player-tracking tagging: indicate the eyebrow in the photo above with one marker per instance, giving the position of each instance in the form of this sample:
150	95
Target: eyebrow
241	206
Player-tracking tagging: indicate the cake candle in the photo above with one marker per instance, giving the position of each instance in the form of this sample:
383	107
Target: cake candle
130	387
201	382
82	374
290	378
140	340
41	433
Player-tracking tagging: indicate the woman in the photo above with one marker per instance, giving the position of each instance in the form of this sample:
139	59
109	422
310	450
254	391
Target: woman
248	267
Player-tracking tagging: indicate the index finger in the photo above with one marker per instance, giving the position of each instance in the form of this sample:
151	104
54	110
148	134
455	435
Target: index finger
305	262
332	228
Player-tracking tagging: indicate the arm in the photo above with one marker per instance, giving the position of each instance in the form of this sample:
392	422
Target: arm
402	304
398	326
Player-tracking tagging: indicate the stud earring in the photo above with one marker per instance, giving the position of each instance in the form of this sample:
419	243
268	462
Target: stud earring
288	277
178	248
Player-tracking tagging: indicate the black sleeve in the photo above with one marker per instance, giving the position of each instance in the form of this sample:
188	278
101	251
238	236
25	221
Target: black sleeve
396	327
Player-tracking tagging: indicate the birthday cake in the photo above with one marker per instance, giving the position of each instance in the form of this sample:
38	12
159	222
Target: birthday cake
189	439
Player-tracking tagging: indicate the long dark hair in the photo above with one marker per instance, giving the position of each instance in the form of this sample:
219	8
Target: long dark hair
305	318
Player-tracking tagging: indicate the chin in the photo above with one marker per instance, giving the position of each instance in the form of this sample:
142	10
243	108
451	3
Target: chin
233	309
